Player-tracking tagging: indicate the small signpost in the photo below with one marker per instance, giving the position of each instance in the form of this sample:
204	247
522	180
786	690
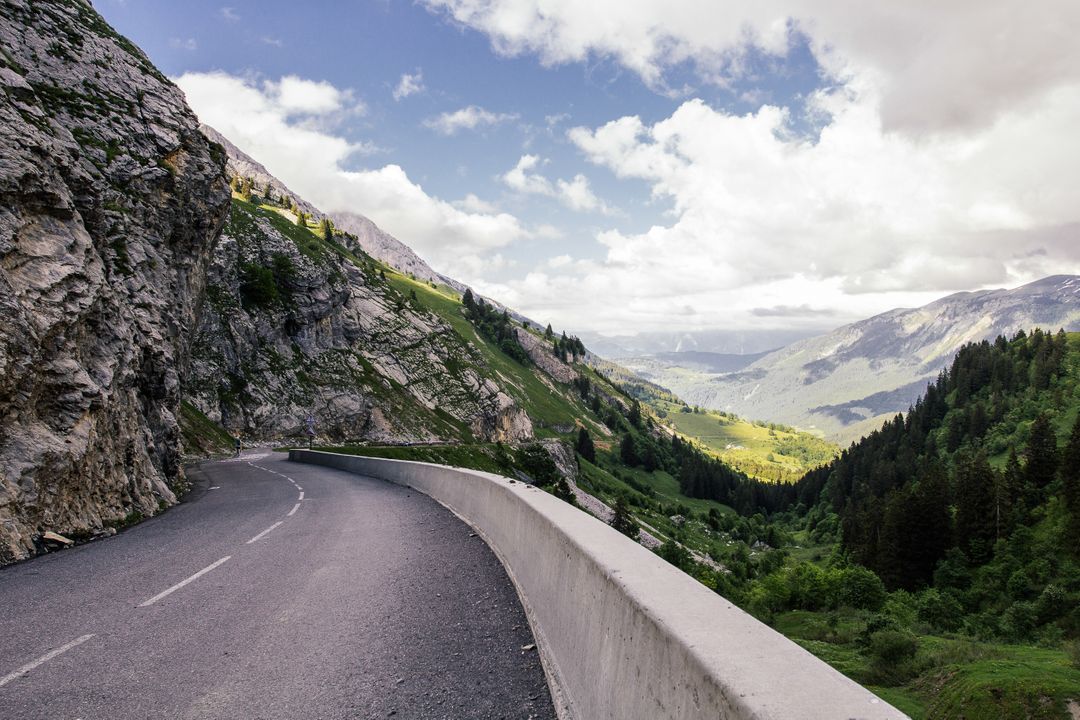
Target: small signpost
310	421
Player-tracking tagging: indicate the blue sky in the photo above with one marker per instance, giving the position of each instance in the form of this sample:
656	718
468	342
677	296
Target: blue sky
699	167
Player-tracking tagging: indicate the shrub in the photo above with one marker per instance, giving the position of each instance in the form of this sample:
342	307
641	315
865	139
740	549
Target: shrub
257	286
861	588
892	655
941	611
1072	649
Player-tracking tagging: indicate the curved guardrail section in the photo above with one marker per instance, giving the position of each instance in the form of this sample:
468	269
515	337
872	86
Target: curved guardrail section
623	634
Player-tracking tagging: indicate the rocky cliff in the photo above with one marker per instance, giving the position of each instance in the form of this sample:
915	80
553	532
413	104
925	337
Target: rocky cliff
110	200
297	326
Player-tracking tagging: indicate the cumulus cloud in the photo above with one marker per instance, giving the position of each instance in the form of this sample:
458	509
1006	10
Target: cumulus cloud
229	13
467	118
939	65
859	221
409	85
270	122
574	194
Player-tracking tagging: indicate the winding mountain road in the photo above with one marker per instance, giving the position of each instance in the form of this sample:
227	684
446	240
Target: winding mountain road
277	590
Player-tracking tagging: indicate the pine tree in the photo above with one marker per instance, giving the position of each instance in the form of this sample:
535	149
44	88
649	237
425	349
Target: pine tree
635	414
468	301
628	451
549	333
1041	454
300	217
1070	481
976	524
621	519
584	445
326	229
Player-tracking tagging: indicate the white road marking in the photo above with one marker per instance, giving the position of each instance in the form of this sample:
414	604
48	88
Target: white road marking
294	509
43	659
301	496
264	532
216	487
299	488
182	583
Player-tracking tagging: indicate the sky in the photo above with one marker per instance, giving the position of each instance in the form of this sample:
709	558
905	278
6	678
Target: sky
623	166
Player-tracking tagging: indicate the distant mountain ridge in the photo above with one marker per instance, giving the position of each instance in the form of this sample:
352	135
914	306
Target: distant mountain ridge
844	382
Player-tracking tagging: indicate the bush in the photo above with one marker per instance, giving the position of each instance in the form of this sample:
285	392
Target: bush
892	655
1072	649
1020	620
258	287
861	589
941	611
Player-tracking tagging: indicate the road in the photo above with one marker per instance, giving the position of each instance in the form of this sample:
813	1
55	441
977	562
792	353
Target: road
276	590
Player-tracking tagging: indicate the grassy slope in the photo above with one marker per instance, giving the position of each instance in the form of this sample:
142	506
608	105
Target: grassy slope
202	436
769	454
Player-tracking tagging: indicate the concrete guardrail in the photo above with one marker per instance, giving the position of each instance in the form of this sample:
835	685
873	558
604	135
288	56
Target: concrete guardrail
624	635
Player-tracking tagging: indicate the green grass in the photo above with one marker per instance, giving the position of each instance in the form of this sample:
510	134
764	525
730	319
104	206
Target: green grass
952	678
202	436
768	454
546	407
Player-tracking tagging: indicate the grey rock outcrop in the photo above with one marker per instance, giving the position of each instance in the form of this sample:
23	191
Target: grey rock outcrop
110	199
294	327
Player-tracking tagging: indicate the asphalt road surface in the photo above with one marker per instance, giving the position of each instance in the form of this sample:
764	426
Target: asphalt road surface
277	590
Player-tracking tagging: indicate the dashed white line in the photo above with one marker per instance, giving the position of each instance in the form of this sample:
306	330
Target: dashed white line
301	495
43	659
182	583
294	509
264	532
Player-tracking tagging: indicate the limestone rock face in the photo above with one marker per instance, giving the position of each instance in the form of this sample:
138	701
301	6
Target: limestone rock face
294	326
110	200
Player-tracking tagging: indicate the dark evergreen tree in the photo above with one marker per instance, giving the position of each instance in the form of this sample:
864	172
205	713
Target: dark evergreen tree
628	451
621	519
467	300
1041	454
976	522
1070	482
584	445
549	333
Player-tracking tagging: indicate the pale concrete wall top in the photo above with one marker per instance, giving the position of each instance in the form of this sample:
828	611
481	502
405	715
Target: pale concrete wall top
624	634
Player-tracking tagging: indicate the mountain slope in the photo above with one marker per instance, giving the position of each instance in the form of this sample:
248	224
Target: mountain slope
297	326
370	238
845	382
110	200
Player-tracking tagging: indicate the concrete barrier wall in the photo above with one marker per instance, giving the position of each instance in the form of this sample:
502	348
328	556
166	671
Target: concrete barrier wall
623	634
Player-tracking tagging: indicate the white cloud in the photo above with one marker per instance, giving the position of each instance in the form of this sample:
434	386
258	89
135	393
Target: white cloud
183	43
266	121
229	13
295	95
268	40
467	118
409	85
575	193
472	203
859	222
938	65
